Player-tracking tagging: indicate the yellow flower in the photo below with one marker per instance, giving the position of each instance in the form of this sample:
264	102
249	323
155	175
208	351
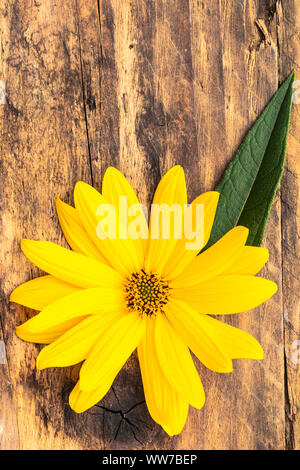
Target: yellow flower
108	297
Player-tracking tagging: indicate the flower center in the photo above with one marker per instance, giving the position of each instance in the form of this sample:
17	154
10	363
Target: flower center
146	293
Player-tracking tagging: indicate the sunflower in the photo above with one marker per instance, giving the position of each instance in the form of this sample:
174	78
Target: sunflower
107	297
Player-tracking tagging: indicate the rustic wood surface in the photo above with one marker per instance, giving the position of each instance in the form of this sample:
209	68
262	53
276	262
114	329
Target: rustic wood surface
143	85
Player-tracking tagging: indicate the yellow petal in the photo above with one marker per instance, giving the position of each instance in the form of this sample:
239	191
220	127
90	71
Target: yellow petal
69	266
114	186
42	291
227	294
176	412
234	342
74	346
81	401
123	254
47	335
150	371
193	330
215	260
75	234
177	364
112	351
181	257
83	302
250	261
178	409
165	406
170	190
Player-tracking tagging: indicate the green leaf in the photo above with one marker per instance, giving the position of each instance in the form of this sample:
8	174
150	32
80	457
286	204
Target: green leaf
249	184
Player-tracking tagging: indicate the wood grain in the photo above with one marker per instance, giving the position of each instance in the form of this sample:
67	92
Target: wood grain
143	85
288	29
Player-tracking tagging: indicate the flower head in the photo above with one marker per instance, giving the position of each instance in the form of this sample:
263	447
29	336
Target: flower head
112	294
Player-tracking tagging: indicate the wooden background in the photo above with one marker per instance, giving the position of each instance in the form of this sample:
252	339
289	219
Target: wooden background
143	85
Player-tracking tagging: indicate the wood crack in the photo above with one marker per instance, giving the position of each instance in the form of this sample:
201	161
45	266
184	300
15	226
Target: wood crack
124	418
84	96
100	63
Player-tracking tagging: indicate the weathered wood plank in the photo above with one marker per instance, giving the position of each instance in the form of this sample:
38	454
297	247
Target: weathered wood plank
288	24
44	149
238	74
142	85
